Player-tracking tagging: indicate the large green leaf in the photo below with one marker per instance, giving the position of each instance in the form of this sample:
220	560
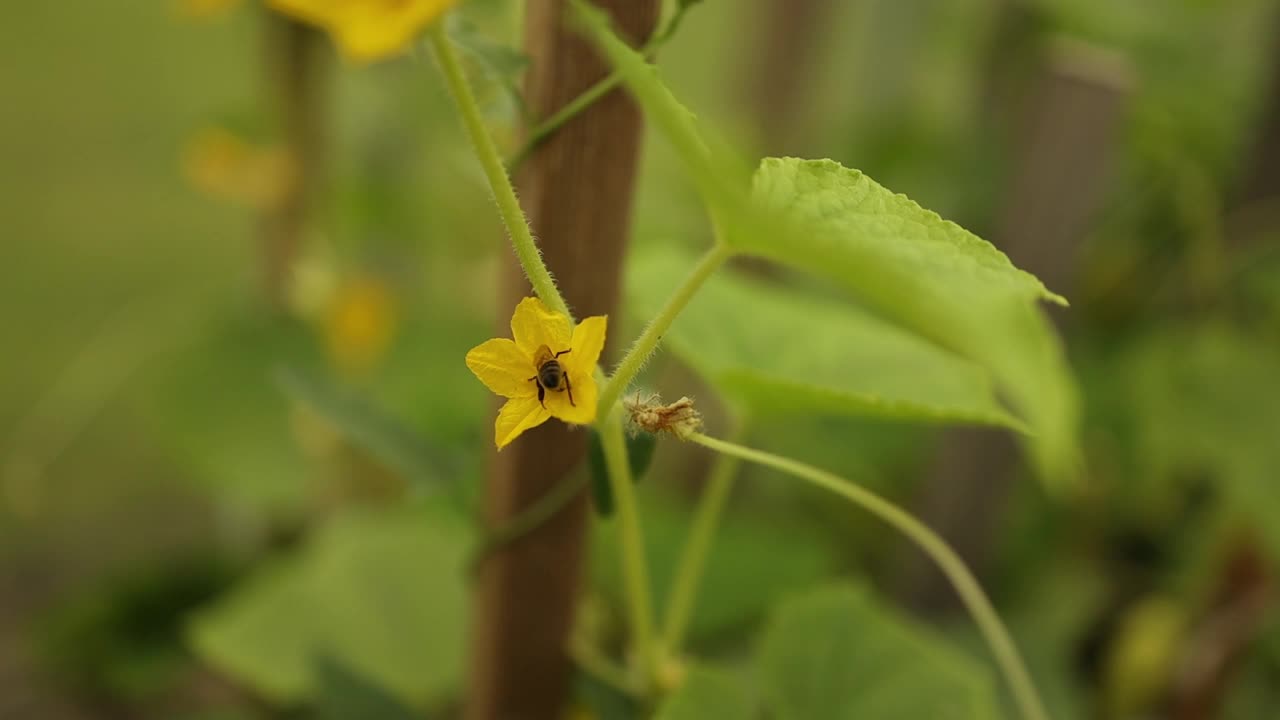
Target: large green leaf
849	213
835	653
924	274
380	592
928	275
780	349
707	693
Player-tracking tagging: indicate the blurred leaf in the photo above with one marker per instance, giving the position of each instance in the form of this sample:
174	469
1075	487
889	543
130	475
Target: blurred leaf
216	410
380	592
390	441
753	562
781	349
930	276
122	636
344	695
1207	400
707	693
835	653
604	701
639	454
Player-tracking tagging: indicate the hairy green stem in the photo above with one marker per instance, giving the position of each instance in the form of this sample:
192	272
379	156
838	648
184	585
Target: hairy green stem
971	593
648	341
548	127
504	193
635	567
693	558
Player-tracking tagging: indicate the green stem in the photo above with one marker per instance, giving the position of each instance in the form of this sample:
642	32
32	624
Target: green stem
979	606
634	565
504	194
693	558
648	341
548	127
594	662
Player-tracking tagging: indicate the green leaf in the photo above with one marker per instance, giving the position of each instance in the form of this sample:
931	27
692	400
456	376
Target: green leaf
639	454
907	264
380	592
779	349
849	214
754	561
929	276
707	693
389	440
836	653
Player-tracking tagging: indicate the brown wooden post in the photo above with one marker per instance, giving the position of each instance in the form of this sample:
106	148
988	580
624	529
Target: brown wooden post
577	191
296	75
1060	170
1256	202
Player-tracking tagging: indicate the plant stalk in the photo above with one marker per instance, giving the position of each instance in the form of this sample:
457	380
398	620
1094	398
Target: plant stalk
648	341
634	564
693	558
971	593
504	193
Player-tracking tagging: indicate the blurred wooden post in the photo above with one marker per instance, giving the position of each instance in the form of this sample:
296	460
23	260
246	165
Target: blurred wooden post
1256	204
781	63
1060	169
577	191
295	84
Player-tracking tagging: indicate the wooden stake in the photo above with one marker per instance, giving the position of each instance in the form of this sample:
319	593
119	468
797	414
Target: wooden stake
295	83
577	191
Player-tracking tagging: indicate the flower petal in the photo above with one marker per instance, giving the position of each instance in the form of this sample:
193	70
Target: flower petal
534	325
588	341
503	368
516	416
585	397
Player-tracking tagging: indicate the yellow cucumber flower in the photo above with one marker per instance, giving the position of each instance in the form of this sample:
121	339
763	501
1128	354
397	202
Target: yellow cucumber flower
225	166
367	30
546	371
360	324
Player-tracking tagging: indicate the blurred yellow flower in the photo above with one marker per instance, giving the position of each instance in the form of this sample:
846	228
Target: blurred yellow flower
546	371
223	165
367	30
360	323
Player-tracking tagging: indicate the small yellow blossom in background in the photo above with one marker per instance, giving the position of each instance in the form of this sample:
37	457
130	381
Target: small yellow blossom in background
225	166
360	323
367	30
508	368
205	9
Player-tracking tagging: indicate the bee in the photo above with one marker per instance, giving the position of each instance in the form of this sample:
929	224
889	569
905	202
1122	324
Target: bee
551	375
